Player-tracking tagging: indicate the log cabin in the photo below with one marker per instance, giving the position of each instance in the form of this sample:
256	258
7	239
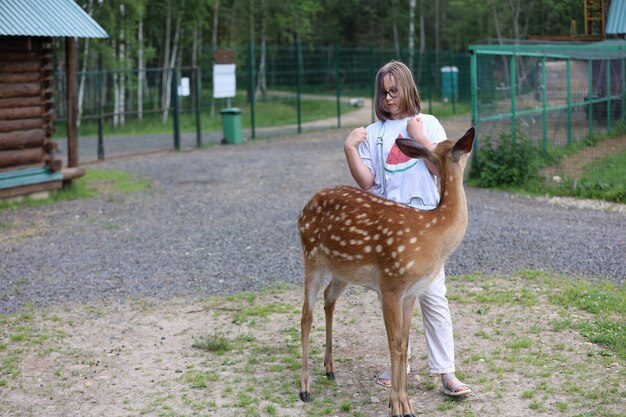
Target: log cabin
28	162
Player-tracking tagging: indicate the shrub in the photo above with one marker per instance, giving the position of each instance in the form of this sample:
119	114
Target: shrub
506	162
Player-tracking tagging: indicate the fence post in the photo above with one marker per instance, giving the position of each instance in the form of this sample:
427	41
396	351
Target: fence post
474	96
197	71
100	102
623	81
371	83
453	87
590	95
338	83
251	89
609	112
569	101
513	98
544	105
175	109
299	85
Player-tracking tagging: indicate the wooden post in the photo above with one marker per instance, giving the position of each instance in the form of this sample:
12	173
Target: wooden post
70	73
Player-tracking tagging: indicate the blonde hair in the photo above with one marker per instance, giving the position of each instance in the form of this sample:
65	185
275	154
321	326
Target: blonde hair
410	104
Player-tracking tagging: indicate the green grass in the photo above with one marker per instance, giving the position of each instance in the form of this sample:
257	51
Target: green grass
606	302
94	182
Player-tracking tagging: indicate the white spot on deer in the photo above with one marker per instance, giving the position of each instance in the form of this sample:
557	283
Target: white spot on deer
394	254
417	249
376	236
401	248
379	248
343	243
401	271
413	240
390	241
313	251
410	264
396	265
367	249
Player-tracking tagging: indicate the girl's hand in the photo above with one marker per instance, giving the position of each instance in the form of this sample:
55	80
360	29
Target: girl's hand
356	137
415	129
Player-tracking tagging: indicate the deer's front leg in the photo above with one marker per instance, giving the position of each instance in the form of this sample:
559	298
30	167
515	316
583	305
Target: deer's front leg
312	283
331	294
393	314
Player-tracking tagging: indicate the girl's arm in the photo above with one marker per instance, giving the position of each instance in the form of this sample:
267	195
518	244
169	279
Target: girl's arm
360	172
415	129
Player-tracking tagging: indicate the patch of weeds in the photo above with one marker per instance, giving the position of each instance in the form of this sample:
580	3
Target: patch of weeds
217	343
345	406
561	406
520	343
536	405
200	380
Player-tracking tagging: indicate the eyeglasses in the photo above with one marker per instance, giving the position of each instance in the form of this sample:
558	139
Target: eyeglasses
393	93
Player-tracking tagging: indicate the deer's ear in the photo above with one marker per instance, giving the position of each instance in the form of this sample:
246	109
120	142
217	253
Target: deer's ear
464	145
412	149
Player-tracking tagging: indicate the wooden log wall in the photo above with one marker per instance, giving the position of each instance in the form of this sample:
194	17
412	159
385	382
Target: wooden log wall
26	104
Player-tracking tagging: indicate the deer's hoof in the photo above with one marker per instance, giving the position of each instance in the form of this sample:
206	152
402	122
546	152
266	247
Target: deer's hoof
330	375
305	397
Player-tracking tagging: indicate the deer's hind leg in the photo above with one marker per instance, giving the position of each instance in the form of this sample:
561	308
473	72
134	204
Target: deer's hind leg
332	292
313	277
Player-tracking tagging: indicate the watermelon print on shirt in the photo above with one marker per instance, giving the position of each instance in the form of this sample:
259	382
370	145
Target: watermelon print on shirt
397	161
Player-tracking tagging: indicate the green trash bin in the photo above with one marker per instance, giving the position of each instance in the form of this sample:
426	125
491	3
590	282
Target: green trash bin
231	122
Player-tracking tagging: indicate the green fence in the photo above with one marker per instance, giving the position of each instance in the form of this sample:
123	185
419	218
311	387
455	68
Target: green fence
559	97
117	107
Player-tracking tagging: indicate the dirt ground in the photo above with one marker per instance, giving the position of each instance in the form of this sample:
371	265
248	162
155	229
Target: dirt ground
131	358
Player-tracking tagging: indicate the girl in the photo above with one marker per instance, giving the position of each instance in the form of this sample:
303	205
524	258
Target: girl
411	182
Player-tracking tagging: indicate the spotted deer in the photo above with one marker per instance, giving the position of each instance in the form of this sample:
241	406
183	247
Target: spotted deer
391	248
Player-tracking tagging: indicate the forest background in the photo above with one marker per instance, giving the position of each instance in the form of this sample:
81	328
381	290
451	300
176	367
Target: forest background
170	33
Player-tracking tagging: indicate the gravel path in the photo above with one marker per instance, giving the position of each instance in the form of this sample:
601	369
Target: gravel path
222	219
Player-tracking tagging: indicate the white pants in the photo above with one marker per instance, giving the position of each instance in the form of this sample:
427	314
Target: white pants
438	326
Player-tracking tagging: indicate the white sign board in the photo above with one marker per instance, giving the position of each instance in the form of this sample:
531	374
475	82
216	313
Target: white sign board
224	81
183	88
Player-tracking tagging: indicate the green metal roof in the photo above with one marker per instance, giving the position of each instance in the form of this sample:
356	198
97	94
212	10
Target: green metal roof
53	18
607	49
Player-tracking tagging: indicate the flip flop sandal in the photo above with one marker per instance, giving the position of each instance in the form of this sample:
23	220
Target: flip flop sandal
452	392
386	376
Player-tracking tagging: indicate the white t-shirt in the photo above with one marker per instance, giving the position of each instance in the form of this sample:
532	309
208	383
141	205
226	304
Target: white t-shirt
408	180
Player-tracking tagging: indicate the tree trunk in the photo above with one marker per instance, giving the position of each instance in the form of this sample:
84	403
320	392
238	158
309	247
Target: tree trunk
172	63
262	76
216	14
166	59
